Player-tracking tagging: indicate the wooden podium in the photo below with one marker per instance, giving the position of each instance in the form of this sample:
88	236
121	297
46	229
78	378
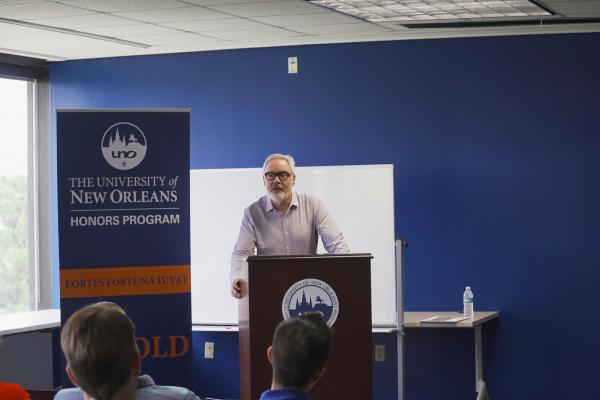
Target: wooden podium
298	280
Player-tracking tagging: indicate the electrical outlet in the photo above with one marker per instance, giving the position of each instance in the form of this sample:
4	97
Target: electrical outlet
380	353
209	350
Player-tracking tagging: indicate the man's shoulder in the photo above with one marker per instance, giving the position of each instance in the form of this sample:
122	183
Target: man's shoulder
301	196
157	392
284	394
147	390
259	202
69	394
258	205
307	200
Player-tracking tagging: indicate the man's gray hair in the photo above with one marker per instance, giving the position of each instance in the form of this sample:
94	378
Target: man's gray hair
279	156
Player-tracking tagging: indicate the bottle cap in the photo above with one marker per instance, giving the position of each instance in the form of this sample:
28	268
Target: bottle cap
468	287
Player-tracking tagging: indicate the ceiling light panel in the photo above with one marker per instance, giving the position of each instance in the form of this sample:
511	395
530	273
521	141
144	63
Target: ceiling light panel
422	10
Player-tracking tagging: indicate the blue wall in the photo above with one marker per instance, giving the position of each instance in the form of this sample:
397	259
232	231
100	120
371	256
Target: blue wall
496	148
219	377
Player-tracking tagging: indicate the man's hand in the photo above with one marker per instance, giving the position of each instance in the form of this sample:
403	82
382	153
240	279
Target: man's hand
238	288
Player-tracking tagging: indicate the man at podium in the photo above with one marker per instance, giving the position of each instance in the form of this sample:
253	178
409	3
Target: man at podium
282	222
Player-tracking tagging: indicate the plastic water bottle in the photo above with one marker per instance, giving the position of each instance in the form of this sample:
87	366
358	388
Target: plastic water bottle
468	302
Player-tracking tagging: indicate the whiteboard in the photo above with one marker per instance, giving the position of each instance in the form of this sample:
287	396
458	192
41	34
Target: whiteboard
359	197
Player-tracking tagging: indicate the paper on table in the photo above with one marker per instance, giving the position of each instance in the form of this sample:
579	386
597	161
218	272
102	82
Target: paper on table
443	319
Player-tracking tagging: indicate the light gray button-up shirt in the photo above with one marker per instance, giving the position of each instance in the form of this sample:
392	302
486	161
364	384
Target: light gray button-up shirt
146	390
295	232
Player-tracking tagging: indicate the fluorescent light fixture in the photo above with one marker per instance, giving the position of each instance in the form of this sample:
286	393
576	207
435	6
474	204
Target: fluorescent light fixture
441	10
73	32
30	54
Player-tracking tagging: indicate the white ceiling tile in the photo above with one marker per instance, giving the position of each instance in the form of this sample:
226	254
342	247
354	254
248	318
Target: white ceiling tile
40	10
229	24
307	19
125	5
84	21
264	9
576	8
197	25
59	45
253	34
345	29
175	39
174	14
130	30
17	2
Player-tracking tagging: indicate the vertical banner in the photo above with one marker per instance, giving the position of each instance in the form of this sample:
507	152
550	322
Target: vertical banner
124	230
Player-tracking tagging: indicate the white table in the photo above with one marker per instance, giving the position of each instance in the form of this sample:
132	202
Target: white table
412	319
29	321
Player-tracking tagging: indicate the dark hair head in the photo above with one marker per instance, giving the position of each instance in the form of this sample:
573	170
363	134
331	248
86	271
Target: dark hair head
99	344
300	348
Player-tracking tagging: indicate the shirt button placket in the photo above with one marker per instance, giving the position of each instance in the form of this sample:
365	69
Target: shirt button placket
285	237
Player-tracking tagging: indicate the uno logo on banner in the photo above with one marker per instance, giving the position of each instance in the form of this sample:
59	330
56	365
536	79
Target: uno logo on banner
311	295
124	146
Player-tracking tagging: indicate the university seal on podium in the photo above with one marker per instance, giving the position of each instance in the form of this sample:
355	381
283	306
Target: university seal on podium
311	295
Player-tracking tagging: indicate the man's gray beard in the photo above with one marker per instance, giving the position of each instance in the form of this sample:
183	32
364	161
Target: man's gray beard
277	198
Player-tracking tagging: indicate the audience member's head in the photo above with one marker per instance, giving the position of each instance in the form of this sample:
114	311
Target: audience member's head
99	344
299	350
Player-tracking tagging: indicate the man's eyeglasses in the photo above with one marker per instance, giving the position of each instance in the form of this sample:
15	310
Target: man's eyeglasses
282	176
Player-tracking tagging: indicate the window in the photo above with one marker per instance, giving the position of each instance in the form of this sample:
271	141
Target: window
25	274
17	268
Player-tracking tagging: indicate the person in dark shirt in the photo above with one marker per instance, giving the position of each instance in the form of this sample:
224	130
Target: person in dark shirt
298	353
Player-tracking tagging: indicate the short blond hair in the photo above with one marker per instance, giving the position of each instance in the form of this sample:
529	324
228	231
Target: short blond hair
99	345
279	156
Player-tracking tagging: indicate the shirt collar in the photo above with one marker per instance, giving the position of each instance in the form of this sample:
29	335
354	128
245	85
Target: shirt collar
144	380
283	394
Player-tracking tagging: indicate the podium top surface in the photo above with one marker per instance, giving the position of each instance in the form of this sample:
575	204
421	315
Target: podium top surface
312	257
